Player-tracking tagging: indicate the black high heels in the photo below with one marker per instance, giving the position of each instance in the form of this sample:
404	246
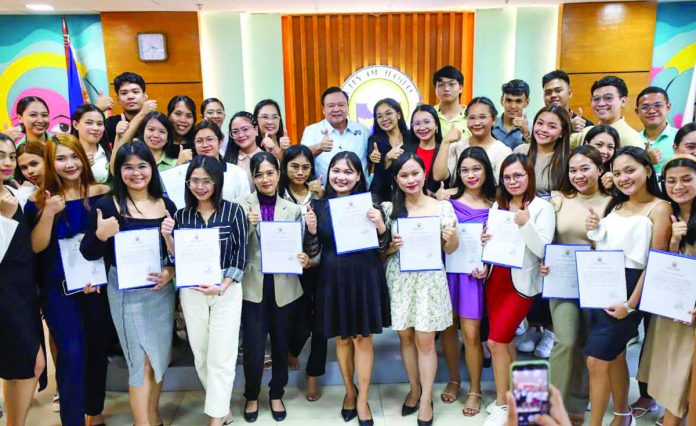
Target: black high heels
348	414
278	416
427	422
368	422
252	416
407	410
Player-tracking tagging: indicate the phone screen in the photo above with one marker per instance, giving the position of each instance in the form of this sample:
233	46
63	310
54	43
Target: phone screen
530	387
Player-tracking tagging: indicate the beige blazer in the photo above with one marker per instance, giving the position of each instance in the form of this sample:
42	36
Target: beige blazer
287	287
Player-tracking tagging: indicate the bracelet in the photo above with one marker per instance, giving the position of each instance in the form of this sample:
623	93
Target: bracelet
628	307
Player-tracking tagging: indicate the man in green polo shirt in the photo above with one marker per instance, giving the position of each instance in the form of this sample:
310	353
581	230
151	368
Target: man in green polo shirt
448	82
652	106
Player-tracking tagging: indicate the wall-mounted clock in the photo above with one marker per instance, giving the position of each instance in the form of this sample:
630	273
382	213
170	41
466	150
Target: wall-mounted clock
152	47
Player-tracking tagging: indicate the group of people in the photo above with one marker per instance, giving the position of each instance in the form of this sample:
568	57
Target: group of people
566	179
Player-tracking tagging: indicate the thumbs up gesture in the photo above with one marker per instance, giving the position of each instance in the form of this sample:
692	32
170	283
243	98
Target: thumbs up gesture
14	132
310	219
522	123
122	126
442	193
375	155
167	227
54	204
185	155
284	141
654	154
315	187
454	135
105	103
253	217
106	228
591	220
326	143
577	122
267	143
679	229
8	205
522	215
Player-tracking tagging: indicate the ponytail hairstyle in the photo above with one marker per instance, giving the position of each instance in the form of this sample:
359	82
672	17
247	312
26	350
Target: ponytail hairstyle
191	106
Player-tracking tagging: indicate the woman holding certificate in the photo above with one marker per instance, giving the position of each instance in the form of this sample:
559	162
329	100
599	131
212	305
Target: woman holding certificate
213	312
143	312
420	304
270	299
352	300
475	185
79	323
669	344
510	291
23	360
580	188
635	220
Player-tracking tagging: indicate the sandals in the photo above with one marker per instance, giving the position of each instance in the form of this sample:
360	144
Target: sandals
629	414
472	411
641	411
449	397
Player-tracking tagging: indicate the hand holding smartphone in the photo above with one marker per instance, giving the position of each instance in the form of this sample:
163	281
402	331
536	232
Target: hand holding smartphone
530	388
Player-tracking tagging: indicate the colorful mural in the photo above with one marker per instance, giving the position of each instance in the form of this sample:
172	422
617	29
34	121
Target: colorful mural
32	62
674	55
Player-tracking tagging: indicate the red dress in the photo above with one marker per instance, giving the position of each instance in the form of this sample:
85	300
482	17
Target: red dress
506	307
427	156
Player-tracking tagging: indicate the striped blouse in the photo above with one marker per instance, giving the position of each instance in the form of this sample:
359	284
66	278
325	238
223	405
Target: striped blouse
232	223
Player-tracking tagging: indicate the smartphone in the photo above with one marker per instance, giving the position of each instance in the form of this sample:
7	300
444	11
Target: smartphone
529	381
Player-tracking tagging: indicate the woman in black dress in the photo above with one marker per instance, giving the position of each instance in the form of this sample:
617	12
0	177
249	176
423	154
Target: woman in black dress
352	299
23	360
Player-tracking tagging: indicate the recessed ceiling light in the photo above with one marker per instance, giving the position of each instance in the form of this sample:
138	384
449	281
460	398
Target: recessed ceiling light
40	7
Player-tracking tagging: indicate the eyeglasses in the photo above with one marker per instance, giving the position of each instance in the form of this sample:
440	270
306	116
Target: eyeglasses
269	174
514	177
274	117
199	183
606	98
451	84
245	129
296	167
647	107
212	112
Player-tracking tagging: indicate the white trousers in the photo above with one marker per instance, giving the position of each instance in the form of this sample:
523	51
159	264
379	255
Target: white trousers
212	324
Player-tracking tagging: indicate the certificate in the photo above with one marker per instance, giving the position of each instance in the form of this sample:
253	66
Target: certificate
137	255
562	280
505	247
467	257
281	242
421	250
174	182
197	257
601	278
352	230
669	288
79	271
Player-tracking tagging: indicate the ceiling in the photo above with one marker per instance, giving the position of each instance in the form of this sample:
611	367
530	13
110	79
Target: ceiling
267	6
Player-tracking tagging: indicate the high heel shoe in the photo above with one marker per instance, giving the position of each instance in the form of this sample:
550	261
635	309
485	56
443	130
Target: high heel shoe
427	422
368	422
407	410
253	415
278	416
629	414
348	414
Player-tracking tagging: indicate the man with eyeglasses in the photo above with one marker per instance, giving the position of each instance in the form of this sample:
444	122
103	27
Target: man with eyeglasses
609	97
335	133
448	82
652	106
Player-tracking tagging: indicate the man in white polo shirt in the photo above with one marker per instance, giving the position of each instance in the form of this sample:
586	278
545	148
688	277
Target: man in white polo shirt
335	133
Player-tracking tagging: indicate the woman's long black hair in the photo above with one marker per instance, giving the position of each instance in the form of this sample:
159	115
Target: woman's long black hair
118	187
401	123
170	148
478	154
232	151
213	168
398	197
291	153
354	163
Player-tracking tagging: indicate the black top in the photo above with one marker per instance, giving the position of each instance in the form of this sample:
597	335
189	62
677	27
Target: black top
109	138
382	179
232	223
92	248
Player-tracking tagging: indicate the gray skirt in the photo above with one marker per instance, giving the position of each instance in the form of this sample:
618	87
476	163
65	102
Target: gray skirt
144	320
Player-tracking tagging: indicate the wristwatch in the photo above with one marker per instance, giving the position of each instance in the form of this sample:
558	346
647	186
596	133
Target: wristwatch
628	307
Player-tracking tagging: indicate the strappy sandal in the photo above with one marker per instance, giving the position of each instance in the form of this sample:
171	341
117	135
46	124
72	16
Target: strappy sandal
453	396
472	411
641	411
629	414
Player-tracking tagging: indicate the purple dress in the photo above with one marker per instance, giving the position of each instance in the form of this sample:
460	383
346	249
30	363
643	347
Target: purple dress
466	291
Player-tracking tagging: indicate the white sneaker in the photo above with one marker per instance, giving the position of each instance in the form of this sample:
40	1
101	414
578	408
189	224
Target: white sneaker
527	342
543	349
521	328
490	408
55	403
498	417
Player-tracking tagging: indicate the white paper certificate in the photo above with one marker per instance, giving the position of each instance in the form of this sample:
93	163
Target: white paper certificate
353	231
197	257
137	255
505	247
281	242
467	257
421	250
601	278
562	280
79	271
174	181
669	288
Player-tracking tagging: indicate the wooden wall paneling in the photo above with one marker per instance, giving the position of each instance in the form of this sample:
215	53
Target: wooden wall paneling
323	50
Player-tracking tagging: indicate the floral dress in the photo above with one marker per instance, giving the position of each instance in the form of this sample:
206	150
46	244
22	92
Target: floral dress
419	299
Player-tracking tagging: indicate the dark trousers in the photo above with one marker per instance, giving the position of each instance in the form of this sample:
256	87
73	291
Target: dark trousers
259	320
82	331
302	327
643	387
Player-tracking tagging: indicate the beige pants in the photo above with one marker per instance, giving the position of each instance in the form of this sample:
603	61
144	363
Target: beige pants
212	324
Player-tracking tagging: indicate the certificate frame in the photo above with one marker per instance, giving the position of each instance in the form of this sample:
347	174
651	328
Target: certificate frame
543	279
578	274
333	230
144	286
647	264
258	230
442	264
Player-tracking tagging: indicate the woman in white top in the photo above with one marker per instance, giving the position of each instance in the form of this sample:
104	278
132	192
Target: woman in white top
509	293
636	220
207	137
88	127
